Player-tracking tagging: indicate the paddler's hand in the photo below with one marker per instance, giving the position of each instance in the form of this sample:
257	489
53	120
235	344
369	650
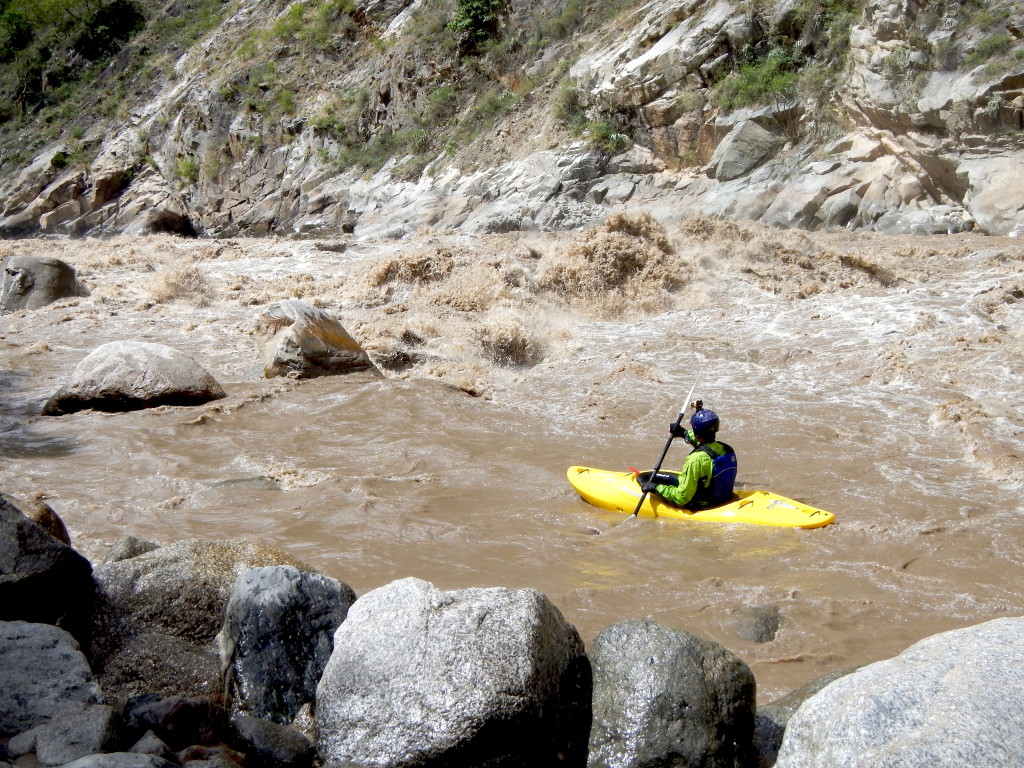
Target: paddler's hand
648	487
678	430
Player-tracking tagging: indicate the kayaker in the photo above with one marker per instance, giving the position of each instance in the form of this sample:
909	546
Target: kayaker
709	473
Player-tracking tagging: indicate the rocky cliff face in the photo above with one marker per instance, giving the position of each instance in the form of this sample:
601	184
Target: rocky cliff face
889	116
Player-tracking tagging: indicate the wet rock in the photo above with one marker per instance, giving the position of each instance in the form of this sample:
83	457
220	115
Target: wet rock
130	375
158	663
77	731
462	678
268	744
277	638
42	671
758	623
42	514
31	282
950	700
665	697
301	340
158	612
41	579
178	721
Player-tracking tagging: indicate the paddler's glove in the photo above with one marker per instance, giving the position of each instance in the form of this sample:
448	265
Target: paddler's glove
678	430
648	487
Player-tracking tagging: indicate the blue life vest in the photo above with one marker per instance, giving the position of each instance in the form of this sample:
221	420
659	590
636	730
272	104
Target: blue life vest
723	478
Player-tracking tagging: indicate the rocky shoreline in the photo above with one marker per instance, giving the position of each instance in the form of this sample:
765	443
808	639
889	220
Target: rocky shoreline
228	653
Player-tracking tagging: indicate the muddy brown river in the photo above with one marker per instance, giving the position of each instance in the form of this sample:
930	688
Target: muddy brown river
874	377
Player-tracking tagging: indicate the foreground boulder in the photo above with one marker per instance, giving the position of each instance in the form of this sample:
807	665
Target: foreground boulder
465	678
277	638
131	375
666	697
158	613
42	672
952	700
303	341
31	282
42	579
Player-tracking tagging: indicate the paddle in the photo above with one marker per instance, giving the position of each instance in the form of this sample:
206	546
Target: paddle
671	436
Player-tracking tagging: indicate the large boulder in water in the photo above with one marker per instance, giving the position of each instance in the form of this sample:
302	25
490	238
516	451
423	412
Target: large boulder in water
42	579
278	635
665	697
951	700
303	341
465	678
31	282
131	375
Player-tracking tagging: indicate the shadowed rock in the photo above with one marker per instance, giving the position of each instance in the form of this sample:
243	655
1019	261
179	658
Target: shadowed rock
131	375
42	579
465	678
666	697
31	282
301	340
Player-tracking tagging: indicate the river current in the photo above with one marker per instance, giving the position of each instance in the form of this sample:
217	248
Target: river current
876	377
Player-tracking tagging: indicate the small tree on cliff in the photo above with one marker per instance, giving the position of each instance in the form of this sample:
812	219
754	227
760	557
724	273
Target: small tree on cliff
475	22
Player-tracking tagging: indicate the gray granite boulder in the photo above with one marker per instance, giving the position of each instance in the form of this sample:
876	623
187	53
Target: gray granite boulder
42	672
278	635
31	282
121	760
300	340
131	375
951	700
464	678
665	697
42	579
746	146
77	731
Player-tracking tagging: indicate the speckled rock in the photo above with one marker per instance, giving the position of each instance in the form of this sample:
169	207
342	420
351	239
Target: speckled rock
464	678
951	700
665	697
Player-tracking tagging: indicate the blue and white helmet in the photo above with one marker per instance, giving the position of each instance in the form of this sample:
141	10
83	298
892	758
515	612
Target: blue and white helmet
704	421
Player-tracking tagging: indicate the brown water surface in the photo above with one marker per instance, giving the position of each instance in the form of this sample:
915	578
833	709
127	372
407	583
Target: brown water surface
874	377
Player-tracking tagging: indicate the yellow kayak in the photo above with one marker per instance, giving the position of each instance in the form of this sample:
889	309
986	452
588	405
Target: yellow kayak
620	491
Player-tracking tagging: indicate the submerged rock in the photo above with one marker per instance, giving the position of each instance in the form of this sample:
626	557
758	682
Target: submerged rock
950	700
31	282
666	697
464	678
278	635
131	375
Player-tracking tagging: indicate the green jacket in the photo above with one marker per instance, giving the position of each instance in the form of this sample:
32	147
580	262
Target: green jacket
696	472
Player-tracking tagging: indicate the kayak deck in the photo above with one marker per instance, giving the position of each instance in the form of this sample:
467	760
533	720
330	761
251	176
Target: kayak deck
620	492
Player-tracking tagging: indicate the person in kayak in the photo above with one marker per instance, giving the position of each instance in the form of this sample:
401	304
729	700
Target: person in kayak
709	473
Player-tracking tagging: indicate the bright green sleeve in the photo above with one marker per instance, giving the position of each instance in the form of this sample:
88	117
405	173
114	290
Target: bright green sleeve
698	466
